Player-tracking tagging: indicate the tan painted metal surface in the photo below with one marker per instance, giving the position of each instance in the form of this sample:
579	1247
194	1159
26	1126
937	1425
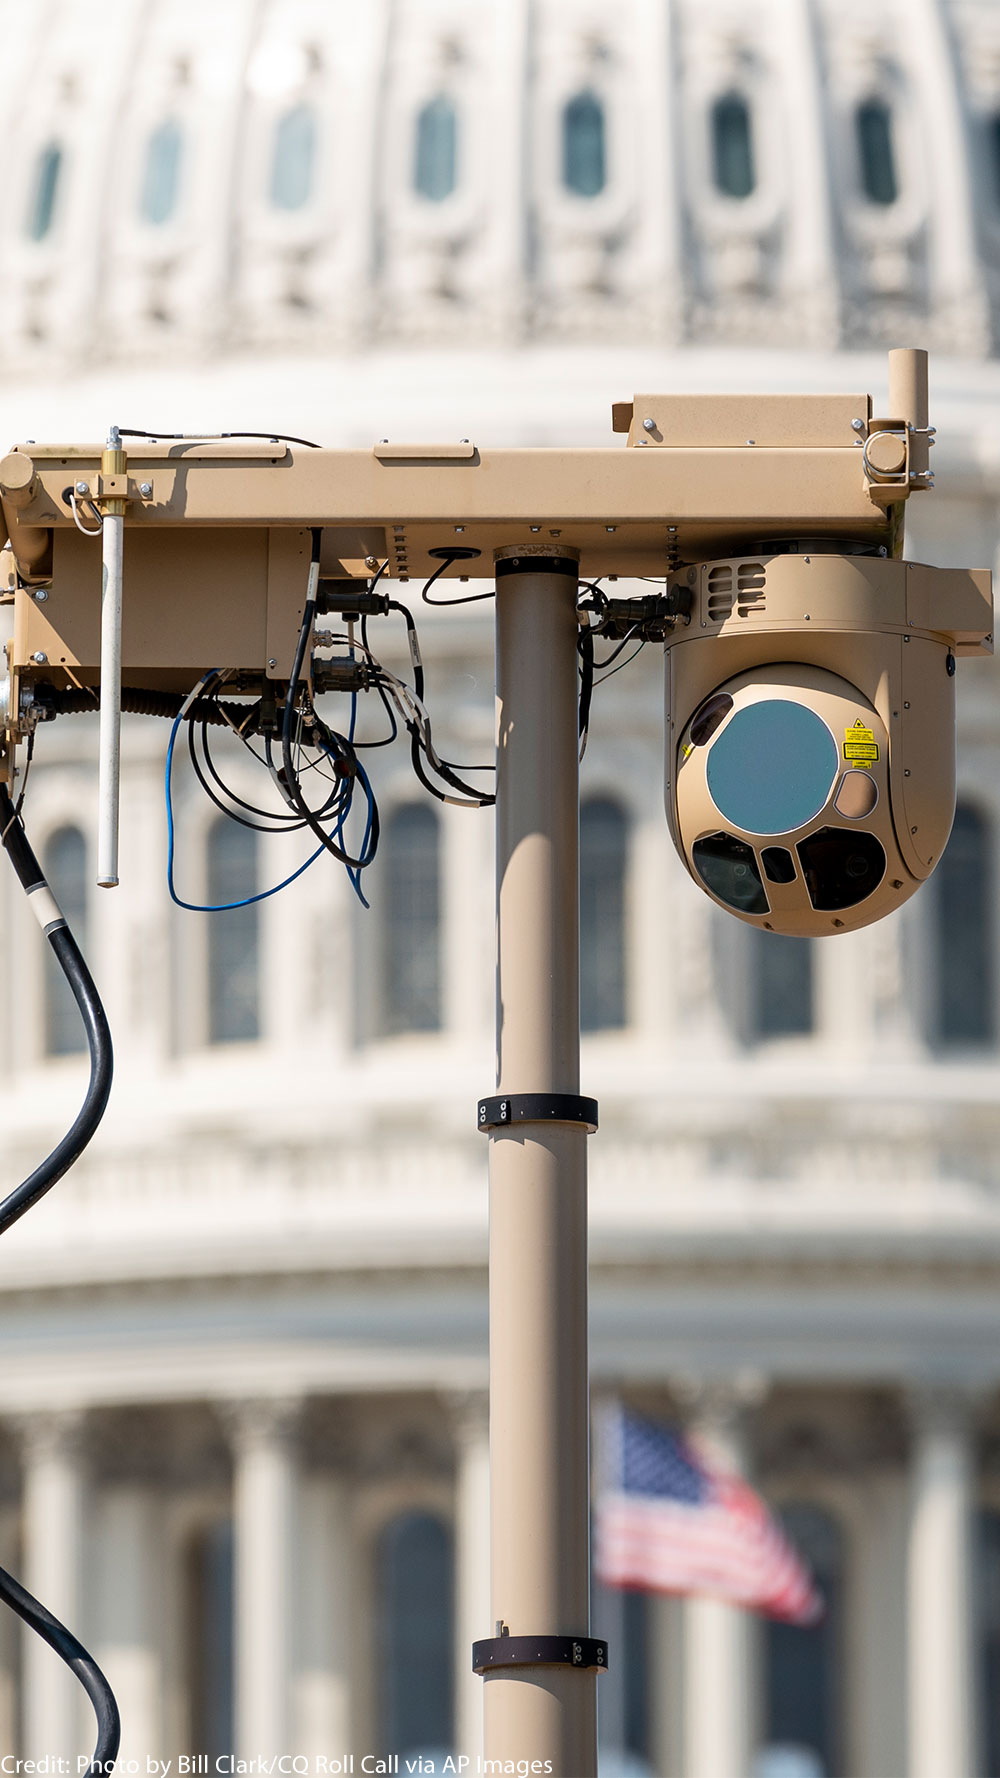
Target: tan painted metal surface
539	1419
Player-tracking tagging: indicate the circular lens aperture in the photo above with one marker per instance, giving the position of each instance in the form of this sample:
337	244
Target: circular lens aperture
772	767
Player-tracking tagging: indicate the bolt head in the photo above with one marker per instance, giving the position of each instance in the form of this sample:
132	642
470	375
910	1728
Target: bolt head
272	662
858	425
39	657
649	425
146	490
83	487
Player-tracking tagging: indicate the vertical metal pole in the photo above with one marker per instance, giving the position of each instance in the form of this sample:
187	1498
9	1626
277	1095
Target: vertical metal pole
113	463
908	401
539	1431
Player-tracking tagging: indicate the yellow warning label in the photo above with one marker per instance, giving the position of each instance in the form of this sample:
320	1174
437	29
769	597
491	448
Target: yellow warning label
860	745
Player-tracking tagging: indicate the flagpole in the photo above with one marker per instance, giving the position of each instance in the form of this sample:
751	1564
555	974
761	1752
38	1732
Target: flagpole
541	1664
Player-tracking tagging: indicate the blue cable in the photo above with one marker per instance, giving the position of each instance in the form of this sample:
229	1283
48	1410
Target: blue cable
221	907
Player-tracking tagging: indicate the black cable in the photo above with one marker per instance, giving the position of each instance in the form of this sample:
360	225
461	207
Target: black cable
621	664
14	1205
344	752
207	437
460	555
585	649
79	1662
70	960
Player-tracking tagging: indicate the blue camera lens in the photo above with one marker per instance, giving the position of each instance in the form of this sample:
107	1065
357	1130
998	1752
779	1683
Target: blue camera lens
772	767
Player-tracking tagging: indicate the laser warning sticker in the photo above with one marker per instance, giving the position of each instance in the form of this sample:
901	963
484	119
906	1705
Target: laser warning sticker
860	745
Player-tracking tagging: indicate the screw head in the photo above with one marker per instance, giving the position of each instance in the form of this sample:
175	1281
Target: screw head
146	490
272	662
83	487
39	657
858	425
649	425
41	594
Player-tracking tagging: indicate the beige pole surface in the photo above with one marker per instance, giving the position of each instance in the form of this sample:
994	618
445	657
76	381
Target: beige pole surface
539	1424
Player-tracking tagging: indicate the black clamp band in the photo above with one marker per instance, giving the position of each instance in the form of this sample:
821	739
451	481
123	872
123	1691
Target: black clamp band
537	1108
539	1651
567	565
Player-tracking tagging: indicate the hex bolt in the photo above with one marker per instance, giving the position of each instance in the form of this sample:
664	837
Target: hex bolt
858	425
83	487
649	425
41	594
146	490
39	657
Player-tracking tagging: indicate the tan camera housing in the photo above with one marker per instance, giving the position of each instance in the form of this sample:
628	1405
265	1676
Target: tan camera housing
859	649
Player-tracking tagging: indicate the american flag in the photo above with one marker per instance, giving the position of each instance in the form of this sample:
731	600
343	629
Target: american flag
668	1521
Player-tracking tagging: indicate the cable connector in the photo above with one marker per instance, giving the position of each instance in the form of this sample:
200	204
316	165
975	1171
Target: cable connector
650	617
350	598
342	673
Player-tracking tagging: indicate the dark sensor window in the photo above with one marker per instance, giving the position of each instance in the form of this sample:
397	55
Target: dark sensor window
728	868
840	868
779	865
708	718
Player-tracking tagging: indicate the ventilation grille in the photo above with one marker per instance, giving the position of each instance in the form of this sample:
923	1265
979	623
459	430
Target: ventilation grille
750	582
720	592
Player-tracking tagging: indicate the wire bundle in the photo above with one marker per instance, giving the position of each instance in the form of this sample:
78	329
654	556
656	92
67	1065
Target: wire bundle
16	1202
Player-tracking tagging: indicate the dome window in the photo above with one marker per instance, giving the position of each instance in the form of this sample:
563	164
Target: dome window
161	173
876	154
732	146
436	156
294	161
44	192
583	147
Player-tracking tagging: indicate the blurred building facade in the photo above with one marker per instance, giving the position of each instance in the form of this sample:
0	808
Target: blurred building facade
243	1415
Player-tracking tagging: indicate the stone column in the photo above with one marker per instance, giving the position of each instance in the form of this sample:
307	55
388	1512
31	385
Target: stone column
128	1648
471	1420
325	1621
939	1643
718	1716
53	1491
264	1484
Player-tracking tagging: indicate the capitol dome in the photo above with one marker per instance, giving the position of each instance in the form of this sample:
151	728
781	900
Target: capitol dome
243	1346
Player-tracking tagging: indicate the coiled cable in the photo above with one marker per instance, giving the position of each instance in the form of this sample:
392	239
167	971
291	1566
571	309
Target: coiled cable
68	955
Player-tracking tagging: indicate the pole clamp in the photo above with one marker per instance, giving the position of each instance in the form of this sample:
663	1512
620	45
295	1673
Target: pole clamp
539	1651
537	1108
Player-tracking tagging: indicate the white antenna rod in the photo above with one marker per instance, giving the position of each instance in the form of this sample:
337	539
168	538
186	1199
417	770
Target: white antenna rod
109	748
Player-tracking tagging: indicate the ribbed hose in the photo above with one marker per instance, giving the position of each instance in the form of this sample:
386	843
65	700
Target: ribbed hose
140	701
68	955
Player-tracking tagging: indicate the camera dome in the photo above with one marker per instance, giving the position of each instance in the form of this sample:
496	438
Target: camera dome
783	806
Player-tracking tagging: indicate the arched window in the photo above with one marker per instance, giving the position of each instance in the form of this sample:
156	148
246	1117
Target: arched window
732	146
993	154
44	192
233	936
415	1635
411	925
583	150
603	843
780	985
436	157
293	163
208	1640
876	154
803	1682
161	173
65	865
964	1010
986	1569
